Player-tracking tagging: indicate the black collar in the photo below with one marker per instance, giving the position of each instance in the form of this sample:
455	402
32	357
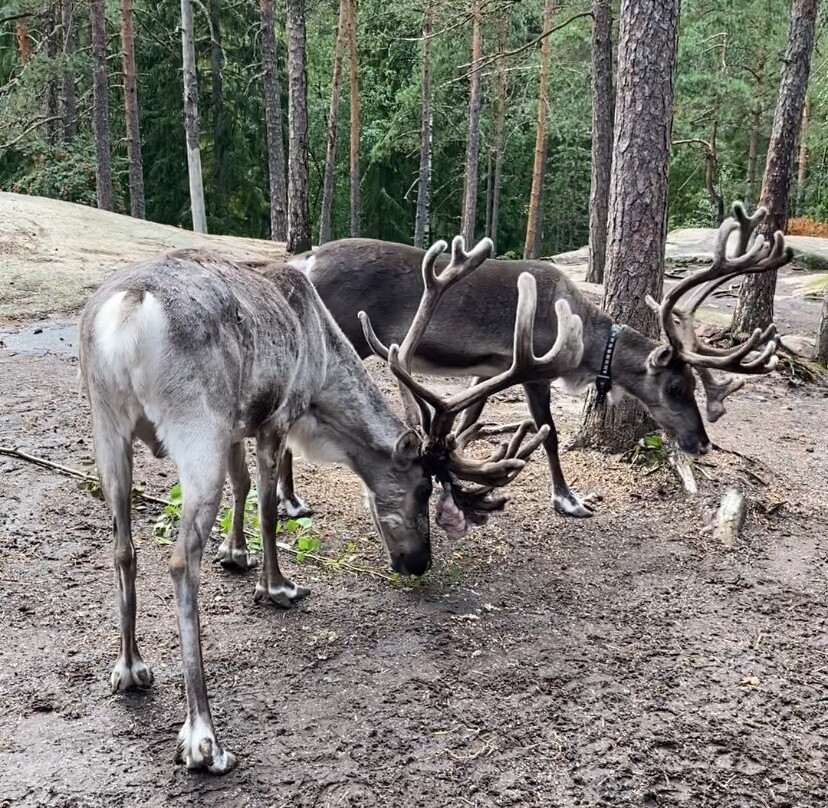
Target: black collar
603	381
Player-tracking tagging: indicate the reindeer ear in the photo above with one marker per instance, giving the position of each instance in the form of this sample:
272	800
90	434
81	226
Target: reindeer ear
407	450
659	358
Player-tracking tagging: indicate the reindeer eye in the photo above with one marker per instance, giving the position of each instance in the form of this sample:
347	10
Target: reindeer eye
675	390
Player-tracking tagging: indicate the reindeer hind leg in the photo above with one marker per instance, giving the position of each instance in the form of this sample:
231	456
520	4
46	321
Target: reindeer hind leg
202	466
113	451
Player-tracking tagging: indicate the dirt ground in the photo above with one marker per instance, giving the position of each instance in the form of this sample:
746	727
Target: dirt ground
624	660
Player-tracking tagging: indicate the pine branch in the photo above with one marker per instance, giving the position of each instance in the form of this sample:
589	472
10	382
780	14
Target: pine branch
491	58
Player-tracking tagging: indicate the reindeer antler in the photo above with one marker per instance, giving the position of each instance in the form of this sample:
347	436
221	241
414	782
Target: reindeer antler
437	415
756	354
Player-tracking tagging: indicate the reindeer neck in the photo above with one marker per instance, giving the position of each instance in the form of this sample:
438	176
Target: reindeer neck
354	415
629	357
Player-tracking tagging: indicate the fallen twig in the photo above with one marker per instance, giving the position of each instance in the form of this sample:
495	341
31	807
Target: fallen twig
730	517
683	467
323	561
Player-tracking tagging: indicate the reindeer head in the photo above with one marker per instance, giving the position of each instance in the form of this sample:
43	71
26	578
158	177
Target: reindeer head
669	395
440	451
399	503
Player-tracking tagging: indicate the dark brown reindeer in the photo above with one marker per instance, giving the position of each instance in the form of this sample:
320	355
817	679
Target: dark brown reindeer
191	354
470	335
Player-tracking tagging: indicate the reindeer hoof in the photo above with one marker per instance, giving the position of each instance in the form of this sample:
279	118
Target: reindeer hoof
128	676
234	558
282	594
572	504
295	507
200	750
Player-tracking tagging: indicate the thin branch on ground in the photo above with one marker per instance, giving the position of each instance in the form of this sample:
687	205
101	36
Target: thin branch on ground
321	560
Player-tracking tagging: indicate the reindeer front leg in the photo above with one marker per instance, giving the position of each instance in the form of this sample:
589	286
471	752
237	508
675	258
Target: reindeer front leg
565	500
272	584
201	485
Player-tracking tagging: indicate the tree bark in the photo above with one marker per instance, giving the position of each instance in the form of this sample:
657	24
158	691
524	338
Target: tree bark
133	124
821	352
217	112
638	195
802	170
333	125
24	42
298	234
753	154
489	189
710	159
530	247
191	119
70	115
469	210
500	124
353	65
100	108
50	35
273	125
421	228
603	111
754	308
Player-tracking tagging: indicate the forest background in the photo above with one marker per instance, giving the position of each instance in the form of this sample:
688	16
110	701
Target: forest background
727	83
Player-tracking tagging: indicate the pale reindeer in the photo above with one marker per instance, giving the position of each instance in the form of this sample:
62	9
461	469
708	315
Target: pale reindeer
471	335
191	354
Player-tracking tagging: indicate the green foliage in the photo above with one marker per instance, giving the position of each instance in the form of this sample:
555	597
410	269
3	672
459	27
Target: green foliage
301	533
651	451
167	522
728	72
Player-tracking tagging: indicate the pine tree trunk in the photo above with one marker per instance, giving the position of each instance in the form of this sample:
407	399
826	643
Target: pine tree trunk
802	171
638	195
713	195
70	115
753	155
530	247
421	229
333	125
298	234
191	118
24	42
751	194
53	122
603	111
489	189
273	124
217	112
821	353
133	125
353	63
500	124
100	108
469	210
754	308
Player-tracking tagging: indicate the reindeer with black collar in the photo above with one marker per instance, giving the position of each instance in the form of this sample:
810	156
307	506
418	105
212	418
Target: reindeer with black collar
471	334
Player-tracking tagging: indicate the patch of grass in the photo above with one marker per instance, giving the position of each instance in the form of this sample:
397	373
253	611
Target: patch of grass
300	533
651	451
168	519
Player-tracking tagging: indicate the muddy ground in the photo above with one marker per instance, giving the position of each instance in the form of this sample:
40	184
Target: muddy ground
624	660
